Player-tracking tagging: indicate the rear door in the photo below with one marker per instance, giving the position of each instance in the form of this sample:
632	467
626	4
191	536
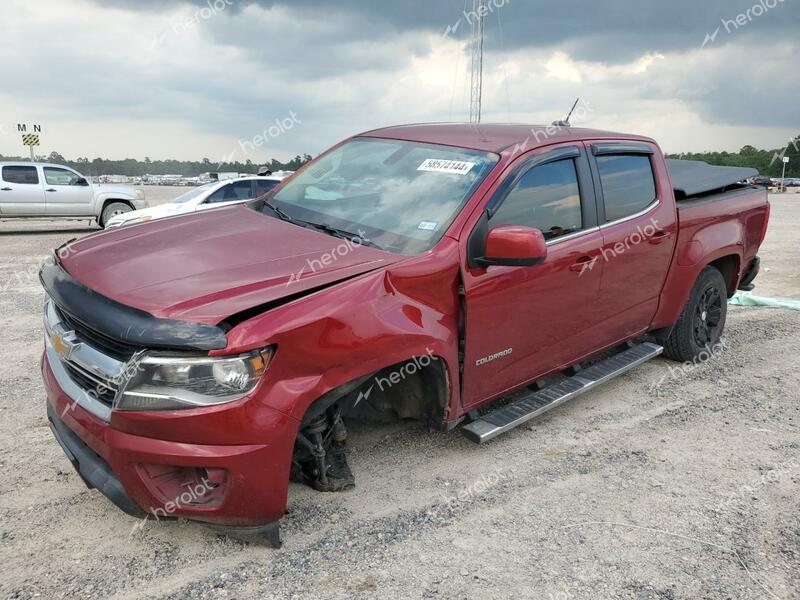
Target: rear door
636	210
522	322
234	192
21	191
66	192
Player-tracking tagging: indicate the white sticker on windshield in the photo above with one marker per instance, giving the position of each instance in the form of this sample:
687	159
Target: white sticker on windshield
438	165
428	225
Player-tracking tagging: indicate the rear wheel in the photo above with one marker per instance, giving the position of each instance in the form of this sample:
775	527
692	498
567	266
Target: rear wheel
703	319
113	209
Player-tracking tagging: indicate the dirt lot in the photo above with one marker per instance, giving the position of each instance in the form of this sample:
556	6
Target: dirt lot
684	489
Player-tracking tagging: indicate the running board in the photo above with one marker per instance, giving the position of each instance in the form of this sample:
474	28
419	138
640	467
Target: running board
518	412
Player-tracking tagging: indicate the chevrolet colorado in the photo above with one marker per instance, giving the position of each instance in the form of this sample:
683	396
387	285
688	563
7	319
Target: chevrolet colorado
455	274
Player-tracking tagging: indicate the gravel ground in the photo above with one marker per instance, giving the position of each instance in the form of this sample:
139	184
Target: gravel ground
665	483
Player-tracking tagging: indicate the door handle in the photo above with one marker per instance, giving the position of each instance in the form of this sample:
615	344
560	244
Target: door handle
51	190
7	189
584	263
659	236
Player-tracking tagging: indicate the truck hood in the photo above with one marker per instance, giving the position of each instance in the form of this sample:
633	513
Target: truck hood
207	266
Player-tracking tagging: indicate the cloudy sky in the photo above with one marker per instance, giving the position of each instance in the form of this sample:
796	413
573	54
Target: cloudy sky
136	78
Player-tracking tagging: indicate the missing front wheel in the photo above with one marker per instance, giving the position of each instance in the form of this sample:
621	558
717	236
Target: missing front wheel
320	458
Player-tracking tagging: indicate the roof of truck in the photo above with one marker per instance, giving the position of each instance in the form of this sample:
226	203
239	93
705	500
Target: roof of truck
493	137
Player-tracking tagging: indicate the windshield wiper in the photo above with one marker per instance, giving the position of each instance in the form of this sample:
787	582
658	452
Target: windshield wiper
344	234
281	213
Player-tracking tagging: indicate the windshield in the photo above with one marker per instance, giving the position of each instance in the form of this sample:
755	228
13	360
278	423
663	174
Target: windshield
401	196
194	193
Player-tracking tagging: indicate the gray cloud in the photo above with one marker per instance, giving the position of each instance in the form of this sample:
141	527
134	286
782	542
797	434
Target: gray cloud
352	65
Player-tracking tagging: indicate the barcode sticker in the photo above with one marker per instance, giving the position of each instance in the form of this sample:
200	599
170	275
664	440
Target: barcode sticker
428	225
454	167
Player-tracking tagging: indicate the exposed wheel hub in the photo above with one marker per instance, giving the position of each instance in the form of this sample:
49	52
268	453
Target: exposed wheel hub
320	458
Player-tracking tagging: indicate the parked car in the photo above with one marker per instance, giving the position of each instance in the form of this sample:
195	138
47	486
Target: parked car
48	190
420	272
765	182
210	195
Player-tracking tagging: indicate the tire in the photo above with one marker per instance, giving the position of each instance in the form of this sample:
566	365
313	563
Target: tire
702	321
113	209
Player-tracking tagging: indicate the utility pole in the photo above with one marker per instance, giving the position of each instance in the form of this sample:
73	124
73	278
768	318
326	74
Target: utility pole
476	75
783	175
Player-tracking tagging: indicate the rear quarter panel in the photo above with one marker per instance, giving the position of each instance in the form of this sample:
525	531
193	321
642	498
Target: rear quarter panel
729	224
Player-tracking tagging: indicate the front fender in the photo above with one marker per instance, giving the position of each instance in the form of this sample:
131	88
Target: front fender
355	328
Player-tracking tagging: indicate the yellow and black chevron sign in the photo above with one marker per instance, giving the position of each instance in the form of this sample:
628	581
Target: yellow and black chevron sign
30	139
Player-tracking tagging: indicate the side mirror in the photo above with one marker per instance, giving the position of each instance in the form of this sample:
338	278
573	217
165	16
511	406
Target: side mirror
513	246
81	181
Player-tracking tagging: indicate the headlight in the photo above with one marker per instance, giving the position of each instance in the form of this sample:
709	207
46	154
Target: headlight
139	193
168	383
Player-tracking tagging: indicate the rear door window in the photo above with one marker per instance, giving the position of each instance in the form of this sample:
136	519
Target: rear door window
20	174
628	184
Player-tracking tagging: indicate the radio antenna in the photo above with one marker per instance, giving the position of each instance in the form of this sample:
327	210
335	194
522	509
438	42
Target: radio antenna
565	122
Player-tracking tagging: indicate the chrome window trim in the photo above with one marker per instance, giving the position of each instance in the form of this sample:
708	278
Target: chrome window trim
571	236
652	206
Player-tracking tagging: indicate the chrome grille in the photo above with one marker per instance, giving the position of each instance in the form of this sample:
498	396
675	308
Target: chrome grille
87	370
102	342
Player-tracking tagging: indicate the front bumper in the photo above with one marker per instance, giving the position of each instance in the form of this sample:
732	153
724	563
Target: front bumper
251	480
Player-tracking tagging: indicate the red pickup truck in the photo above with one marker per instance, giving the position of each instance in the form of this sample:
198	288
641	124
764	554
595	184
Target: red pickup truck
461	275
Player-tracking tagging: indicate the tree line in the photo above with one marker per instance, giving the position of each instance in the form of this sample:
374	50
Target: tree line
132	167
768	162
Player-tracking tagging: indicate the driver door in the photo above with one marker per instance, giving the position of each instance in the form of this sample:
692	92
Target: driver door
65	194
524	322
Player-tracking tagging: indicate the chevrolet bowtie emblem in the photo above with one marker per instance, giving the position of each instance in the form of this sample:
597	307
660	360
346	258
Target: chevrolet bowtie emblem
63	344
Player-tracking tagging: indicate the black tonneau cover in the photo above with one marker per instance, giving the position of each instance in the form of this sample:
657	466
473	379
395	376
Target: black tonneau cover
695	177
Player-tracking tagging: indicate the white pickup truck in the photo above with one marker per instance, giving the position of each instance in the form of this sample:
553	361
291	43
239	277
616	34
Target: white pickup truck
46	190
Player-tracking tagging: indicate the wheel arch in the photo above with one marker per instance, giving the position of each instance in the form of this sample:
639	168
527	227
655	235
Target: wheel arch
682	277
730	267
418	387
104	202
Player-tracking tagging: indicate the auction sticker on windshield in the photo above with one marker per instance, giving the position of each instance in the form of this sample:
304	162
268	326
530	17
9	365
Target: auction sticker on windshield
438	165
